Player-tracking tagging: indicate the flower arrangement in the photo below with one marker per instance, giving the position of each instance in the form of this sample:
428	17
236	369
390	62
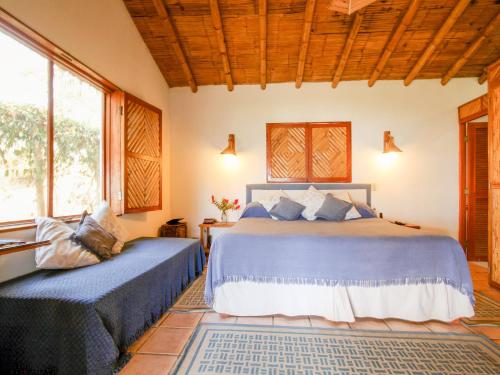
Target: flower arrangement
224	205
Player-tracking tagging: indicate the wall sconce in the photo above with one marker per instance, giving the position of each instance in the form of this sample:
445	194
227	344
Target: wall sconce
389	145
231	146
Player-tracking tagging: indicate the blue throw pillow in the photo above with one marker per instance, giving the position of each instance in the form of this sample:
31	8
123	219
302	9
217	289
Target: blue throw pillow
333	209
255	209
364	210
286	209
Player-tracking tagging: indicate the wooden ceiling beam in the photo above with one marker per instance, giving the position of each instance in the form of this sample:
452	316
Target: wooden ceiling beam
356	25
217	22
394	40
304	44
436	41
483	77
471	50
174	40
263	42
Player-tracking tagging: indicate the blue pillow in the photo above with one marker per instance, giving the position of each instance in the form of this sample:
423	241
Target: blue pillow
255	209
364	210
286	209
333	209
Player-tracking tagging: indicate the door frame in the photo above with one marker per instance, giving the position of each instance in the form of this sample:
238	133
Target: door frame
467	112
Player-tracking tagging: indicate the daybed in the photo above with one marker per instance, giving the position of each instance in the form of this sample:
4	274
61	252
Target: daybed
79	321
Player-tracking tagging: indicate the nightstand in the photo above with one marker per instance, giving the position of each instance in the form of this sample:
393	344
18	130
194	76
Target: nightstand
205	233
174	230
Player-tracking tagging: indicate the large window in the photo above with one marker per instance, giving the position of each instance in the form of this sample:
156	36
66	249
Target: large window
51	127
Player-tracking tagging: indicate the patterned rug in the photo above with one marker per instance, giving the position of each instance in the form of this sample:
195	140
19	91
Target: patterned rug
192	298
225	349
487	311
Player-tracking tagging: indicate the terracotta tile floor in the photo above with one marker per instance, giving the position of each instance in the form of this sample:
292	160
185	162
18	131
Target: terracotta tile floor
157	351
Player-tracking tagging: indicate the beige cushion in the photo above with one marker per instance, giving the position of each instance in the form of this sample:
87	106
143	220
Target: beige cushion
107	219
62	252
312	199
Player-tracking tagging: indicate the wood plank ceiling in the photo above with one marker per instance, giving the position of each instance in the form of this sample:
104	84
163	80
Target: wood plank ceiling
234	42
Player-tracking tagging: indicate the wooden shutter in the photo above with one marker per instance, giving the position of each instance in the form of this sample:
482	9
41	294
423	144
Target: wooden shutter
286	148
477	198
309	152
142	161
494	172
330	158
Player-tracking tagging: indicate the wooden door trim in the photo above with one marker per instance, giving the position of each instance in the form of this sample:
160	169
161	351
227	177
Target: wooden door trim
493	120
467	112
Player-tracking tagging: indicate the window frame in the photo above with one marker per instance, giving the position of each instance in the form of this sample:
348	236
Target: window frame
56	55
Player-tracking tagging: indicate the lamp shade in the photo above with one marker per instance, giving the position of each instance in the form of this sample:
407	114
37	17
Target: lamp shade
231	146
389	145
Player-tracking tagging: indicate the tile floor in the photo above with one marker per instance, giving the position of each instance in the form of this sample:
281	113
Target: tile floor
157	351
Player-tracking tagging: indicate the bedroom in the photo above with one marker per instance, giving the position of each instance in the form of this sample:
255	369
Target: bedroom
129	45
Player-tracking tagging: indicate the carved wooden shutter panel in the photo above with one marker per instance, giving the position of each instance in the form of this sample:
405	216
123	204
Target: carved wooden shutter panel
309	152
287	145
142	190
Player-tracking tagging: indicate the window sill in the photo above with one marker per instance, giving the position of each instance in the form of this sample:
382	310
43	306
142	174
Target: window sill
26	225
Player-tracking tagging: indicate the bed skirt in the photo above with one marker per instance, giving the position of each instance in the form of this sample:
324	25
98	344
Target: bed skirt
415	303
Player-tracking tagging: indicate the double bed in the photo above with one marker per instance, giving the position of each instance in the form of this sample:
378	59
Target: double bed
337	270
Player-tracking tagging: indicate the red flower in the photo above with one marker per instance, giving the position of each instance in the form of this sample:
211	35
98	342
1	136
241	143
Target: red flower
213	199
224	200
236	201
237	207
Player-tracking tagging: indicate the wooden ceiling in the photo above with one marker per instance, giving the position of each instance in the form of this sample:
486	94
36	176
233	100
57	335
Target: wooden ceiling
233	42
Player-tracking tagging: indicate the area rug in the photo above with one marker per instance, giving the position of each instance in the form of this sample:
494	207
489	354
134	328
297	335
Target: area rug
193	297
487	311
225	349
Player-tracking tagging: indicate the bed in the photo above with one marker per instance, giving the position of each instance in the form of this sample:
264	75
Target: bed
80	321
337	270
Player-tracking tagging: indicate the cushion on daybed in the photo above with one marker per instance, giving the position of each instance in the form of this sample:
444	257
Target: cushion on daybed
62	252
94	237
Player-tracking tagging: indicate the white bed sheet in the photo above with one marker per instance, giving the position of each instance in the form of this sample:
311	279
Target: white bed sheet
337	303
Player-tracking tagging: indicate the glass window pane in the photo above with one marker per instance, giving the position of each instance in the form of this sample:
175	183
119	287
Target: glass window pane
23	131
78	120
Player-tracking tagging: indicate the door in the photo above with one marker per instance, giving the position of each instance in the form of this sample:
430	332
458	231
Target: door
477	192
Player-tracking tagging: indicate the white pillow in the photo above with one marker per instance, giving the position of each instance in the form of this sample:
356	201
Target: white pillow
271	198
106	219
353	212
62	252
312	199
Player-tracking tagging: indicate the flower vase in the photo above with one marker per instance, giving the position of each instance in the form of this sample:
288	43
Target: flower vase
223	217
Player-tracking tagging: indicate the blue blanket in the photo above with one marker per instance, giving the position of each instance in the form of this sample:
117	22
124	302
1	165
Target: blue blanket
364	252
78	321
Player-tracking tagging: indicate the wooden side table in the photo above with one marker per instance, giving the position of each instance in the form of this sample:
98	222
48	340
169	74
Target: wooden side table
205	232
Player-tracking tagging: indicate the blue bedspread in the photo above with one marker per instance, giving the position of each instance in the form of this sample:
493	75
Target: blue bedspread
364	252
79	321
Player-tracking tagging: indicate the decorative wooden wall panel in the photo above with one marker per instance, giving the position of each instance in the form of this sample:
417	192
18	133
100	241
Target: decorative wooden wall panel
494	172
309	152
142	190
330	152
286	149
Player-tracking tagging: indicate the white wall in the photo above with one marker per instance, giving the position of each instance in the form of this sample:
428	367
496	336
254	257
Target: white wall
101	34
421	186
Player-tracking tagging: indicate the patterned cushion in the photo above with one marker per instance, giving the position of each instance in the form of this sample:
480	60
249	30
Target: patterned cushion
287	209
333	209
94	237
312	199
106	219
62	253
